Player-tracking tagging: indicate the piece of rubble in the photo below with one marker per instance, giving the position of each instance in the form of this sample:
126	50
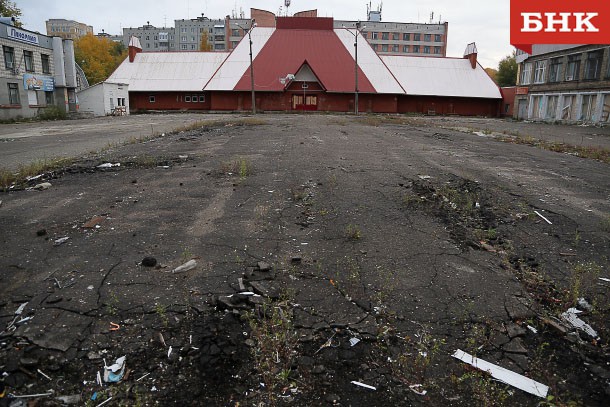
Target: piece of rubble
515	346
571	317
43	186
515	330
149	261
262	266
93	222
189	265
504	375
61	241
265	289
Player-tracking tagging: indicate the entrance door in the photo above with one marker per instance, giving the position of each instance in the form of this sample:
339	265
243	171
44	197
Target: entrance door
302	102
522	112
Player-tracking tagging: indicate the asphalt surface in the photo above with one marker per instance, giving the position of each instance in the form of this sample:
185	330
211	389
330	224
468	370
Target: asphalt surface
412	236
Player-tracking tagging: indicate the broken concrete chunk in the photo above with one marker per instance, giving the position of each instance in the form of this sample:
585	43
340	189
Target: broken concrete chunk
515	346
262	266
515	330
265	289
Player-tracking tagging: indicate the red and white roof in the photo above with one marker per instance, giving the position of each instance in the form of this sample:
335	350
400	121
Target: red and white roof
298	42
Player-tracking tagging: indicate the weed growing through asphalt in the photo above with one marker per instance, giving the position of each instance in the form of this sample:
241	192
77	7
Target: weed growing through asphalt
353	232
161	311
186	254
240	166
595	153
275	347
482	388
112	304
33	169
583	279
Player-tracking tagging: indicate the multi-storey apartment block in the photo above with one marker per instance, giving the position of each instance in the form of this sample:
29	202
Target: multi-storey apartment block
67	29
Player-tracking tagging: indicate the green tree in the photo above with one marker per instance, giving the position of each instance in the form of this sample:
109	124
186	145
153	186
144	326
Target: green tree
98	57
493	73
10	9
507	71
205	43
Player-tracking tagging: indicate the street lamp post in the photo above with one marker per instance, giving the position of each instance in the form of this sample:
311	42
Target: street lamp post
252	25
358	26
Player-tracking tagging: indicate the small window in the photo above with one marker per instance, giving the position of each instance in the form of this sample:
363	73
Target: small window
46	66
437	50
375	35
235	33
49	98
201	98
385	36
593	64
151	99
555	69
405	49
28	57
539	71
426	49
406	37
526	74
187	98
9	57
194	98
396	36
395	48
427	37
148	37
416	37
13	94
573	68
384	48
416	49
437	38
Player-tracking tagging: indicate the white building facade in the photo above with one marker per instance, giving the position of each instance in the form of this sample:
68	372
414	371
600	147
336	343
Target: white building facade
105	99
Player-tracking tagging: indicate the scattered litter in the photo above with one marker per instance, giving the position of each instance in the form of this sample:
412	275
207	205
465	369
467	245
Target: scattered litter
571	317
61	241
43	186
94	396
90	288
74	399
531	328
504	375
162	339
31	396
104	402
98	381
183	157
191	264
545	219
93	222
418	389
154	388
424	177
242	287
328	343
114	373
584	304
109	165
169	352
44	375
607	280
354	341
366	386
146	375
114	327
21	308
568	254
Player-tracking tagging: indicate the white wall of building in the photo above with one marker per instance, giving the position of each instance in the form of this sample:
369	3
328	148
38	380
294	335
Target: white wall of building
105	99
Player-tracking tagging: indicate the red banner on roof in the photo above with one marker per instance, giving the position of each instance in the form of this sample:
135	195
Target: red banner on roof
559	22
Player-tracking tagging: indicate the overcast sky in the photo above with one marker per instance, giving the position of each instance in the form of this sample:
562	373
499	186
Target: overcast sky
485	22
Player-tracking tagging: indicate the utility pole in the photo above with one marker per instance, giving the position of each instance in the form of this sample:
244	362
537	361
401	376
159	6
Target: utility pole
252	25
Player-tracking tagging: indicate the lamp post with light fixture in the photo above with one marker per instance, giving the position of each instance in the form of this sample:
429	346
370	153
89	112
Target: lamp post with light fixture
358	27
252	25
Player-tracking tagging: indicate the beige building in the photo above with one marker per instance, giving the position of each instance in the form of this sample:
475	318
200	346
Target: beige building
67	29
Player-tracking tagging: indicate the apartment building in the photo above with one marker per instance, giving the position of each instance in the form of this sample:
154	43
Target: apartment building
221	34
67	29
569	83
36	71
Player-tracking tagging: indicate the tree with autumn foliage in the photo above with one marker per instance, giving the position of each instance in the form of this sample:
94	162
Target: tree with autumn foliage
10	9
205	43
98	57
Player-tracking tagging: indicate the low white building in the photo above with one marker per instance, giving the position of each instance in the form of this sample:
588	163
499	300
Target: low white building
105	99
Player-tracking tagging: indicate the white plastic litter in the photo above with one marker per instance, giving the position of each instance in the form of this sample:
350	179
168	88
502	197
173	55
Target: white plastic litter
354	341
109	165
504	375
545	219
366	386
61	241
418	389
189	265
571	317
531	328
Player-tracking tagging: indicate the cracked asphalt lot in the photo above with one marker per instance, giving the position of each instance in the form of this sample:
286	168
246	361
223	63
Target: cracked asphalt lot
405	233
